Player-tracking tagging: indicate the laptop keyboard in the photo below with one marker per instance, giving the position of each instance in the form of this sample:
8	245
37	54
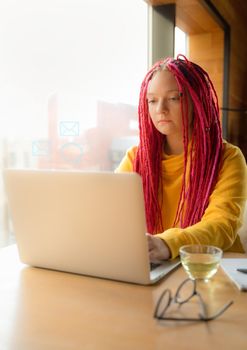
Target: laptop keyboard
153	266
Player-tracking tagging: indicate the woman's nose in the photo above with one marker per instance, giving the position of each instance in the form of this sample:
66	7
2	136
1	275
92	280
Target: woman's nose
162	106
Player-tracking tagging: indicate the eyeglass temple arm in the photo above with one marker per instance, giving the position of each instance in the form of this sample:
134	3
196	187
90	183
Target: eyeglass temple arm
220	312
203	306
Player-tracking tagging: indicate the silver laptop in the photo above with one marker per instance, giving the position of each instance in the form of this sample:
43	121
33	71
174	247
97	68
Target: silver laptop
85	223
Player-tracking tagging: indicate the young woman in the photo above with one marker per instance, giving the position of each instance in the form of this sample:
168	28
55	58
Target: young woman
194	182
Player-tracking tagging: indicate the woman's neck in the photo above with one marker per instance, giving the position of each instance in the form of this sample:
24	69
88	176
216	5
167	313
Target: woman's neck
173	146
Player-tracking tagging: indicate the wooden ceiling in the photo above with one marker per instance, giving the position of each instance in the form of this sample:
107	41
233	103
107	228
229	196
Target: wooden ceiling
191	16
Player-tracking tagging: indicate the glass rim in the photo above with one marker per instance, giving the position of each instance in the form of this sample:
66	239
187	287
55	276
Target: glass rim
182	249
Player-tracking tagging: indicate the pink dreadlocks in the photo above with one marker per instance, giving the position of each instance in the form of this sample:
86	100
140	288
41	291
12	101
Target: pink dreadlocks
200	173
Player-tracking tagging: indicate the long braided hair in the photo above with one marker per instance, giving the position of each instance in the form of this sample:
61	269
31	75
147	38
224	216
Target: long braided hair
202	160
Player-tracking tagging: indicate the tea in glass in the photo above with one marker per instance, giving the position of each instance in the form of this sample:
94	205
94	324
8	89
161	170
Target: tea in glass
200	261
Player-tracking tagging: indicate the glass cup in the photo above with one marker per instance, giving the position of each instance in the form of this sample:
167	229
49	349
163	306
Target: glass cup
200	261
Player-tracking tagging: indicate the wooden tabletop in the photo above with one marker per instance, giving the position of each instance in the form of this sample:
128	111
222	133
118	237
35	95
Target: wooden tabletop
48	310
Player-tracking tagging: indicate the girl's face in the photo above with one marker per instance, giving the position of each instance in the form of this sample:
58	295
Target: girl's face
164	106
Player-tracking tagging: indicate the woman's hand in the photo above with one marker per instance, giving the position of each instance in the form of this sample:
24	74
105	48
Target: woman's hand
157	248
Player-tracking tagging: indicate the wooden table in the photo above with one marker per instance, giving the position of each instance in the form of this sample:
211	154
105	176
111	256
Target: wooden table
48	310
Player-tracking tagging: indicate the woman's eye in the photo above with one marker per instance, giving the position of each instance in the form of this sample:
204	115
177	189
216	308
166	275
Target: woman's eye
151	101
174	98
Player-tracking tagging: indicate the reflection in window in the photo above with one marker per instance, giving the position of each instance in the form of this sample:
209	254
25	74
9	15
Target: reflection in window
70	77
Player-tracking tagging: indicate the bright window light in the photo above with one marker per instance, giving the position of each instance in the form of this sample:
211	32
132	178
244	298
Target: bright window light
71	72
180	42
82	51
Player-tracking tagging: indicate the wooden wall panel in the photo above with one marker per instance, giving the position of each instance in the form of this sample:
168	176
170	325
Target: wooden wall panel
235	13
191	16
207	49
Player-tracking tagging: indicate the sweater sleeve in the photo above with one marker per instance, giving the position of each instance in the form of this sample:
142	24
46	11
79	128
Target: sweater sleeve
126	164
223	216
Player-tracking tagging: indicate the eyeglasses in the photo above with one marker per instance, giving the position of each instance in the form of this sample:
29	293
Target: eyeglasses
185	292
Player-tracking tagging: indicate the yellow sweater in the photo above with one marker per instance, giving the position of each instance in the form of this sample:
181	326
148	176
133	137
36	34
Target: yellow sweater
224	213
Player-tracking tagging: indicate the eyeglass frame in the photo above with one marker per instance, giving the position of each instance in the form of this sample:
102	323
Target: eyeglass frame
202	316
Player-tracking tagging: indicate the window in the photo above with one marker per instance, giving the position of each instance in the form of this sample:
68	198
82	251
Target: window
70	77
180	46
